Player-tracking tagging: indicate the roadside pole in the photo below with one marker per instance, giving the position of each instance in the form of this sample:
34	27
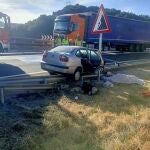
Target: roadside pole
100	54
100	41
100	47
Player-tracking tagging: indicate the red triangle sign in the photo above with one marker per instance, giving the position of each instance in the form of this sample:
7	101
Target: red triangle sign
101	24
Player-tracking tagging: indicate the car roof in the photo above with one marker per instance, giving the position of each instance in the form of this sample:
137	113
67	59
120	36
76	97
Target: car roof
71	47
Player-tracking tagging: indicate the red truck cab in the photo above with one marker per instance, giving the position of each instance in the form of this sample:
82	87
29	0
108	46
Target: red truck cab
70	26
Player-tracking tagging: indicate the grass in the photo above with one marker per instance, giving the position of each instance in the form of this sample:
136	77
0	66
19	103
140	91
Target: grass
117	118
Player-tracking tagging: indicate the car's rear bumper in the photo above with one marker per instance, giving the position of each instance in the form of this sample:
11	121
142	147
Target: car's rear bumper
55	68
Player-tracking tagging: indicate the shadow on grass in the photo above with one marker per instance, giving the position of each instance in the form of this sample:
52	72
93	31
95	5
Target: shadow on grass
37	121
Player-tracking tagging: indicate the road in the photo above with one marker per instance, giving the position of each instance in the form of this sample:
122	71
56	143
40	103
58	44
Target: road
19	64
25	64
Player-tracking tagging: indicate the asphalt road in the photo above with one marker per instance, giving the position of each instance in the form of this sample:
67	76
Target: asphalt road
19	64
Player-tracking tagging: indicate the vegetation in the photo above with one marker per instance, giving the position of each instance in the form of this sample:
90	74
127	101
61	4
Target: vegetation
115	119
44	24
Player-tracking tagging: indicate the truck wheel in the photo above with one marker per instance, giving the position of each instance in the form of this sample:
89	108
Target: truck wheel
77	74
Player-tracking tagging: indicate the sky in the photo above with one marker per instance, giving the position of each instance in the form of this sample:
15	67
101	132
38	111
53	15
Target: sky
22	11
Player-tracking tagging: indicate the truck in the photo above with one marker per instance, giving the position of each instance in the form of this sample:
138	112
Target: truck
4	32
126	34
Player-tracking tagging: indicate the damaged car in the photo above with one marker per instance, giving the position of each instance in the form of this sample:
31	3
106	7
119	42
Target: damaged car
71	60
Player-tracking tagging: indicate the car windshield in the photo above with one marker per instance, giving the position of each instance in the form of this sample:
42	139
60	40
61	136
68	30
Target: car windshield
61	25
63	49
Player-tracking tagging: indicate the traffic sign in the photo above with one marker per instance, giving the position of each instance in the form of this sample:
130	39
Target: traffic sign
101	24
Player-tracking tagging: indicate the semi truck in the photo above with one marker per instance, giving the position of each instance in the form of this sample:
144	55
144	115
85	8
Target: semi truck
4	32
126	34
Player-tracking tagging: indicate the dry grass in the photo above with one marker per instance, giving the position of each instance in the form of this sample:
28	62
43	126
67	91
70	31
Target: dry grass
115	119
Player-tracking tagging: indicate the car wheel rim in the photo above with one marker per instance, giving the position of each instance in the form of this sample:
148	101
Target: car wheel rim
77	75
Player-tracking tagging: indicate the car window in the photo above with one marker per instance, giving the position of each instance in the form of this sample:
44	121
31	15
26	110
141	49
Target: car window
94	56
83	53
78	53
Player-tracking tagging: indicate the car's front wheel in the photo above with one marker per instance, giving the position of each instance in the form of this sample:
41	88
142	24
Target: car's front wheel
77	74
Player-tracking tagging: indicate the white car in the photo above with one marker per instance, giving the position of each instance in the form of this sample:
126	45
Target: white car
73	60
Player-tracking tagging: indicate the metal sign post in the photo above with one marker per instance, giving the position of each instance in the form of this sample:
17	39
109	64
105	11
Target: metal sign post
100	54
100	47
100	42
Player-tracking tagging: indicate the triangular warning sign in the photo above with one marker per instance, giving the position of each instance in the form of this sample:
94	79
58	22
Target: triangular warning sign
101	23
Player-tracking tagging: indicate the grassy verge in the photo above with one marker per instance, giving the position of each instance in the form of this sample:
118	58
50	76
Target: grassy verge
117	118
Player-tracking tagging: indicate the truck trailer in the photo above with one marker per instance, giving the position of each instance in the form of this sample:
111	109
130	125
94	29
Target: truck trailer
126	34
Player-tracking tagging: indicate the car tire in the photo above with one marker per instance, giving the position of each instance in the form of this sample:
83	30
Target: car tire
77	74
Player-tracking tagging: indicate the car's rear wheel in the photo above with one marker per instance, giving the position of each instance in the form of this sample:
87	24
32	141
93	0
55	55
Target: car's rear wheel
77	74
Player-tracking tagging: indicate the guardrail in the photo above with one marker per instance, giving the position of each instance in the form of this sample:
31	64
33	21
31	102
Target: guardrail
25	82
37	82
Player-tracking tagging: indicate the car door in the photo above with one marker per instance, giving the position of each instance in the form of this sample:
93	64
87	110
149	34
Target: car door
94	59
83	54
84	59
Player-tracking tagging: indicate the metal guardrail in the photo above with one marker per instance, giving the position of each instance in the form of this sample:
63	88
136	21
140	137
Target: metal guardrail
24	82
37	82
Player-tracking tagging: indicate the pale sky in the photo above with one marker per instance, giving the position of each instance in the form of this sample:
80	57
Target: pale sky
22	11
